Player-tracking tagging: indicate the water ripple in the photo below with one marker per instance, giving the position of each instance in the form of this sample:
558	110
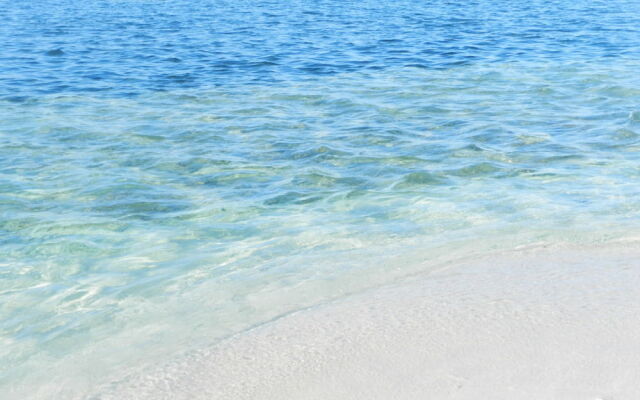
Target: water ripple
174	172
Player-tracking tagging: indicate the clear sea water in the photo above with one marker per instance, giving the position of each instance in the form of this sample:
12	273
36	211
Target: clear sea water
176	172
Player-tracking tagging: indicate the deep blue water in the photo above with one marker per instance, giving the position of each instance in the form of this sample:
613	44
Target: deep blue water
172	173
127	48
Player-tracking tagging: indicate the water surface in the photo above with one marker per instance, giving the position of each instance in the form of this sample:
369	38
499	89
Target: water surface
172	173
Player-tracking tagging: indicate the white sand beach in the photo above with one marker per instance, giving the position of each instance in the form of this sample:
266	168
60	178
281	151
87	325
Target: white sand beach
538	323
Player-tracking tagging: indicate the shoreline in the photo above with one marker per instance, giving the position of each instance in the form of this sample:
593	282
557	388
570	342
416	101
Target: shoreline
537	323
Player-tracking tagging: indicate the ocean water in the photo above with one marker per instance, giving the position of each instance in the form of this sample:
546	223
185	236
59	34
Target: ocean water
174	173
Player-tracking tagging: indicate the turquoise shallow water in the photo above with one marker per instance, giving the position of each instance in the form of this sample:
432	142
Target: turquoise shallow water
174	173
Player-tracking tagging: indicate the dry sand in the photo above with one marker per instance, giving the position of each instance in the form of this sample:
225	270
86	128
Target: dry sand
545	323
